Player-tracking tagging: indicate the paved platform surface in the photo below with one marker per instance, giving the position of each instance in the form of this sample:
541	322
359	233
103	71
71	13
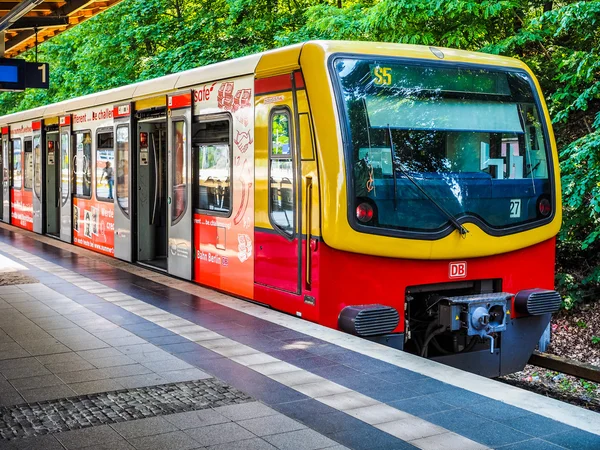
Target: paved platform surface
96	353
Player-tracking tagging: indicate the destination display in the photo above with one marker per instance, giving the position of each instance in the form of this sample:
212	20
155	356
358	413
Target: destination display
18	75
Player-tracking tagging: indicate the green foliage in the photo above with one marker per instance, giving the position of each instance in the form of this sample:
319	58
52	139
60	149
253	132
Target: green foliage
560	41
595	340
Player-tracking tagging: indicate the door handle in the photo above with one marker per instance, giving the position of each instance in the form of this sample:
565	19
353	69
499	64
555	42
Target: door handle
308	198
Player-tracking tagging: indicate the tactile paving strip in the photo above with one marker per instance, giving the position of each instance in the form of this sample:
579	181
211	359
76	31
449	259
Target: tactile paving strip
118	406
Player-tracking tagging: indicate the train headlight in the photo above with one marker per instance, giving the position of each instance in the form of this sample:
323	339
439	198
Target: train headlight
544	207
364	212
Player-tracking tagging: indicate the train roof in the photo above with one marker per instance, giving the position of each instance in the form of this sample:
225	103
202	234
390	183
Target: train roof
261	64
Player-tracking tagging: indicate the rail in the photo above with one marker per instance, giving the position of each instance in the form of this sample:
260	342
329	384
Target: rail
567	366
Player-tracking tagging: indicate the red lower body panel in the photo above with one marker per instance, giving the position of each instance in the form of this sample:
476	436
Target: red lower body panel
21	214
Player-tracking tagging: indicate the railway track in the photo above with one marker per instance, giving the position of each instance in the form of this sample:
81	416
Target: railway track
567	366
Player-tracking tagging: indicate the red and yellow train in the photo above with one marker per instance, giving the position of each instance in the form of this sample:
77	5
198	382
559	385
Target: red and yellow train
406	194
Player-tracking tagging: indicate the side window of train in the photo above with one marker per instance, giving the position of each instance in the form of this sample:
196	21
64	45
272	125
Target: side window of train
123	167
281	172
28	169
212	141
82	181
180	170
64	167
105	165
15	179
37	165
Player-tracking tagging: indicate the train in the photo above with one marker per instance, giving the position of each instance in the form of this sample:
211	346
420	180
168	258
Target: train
406	194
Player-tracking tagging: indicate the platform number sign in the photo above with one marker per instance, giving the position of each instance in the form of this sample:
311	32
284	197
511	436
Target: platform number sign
515	208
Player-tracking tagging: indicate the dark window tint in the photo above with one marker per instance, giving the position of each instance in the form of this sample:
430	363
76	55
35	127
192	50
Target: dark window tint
16	178
82	182
180	170
213	150
281	173
105	166
123	167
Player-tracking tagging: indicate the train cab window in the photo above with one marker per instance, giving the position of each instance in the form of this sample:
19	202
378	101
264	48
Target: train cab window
64	167
123	167
180	171
212	141
82	183
281	172
37	166
16	175
28	179
105	165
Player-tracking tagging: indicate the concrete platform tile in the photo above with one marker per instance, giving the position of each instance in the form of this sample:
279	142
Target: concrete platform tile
81	376
130	340
143	427
347	400
263	363
88	436
250	444
36	382
234	351
145	347
300	440
99	353
136	381
411	429
126	371
93	387
219	434
196	419
174	440
175	376
379	413
111	361
219	342
46	442
321	389
297	377
199	336
60	358
447	441
167	365
47	393
264	426
245	411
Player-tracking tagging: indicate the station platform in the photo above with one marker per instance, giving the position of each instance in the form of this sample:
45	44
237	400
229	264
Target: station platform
96	353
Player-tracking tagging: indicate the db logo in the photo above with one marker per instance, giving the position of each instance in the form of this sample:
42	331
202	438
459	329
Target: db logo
457	269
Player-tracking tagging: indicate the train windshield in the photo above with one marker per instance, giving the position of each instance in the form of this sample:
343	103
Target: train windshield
420	136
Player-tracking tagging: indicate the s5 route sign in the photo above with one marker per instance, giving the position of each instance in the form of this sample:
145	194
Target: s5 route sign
457	269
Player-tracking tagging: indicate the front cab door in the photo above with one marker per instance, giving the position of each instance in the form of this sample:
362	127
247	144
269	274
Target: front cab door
123	175
179	167
278	254
66	169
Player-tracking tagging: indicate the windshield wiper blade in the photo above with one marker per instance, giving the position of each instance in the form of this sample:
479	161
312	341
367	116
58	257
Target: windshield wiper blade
461	229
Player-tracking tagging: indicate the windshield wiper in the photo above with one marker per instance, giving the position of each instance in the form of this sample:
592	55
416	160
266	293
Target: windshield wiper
461	229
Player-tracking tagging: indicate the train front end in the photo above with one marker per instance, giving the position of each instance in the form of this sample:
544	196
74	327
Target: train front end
441	201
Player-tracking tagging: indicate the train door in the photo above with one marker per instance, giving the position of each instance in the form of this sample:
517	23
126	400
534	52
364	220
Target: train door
5	159
38	186
66	169
179	167
278	253
50	158
151	182
124	175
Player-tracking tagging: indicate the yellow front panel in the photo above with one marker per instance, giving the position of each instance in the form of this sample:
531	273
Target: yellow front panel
336	230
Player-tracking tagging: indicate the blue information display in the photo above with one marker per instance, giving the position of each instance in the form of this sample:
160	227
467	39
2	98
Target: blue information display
18	75
9	74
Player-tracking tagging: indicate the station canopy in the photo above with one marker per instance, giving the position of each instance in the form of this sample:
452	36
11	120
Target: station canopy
49	18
